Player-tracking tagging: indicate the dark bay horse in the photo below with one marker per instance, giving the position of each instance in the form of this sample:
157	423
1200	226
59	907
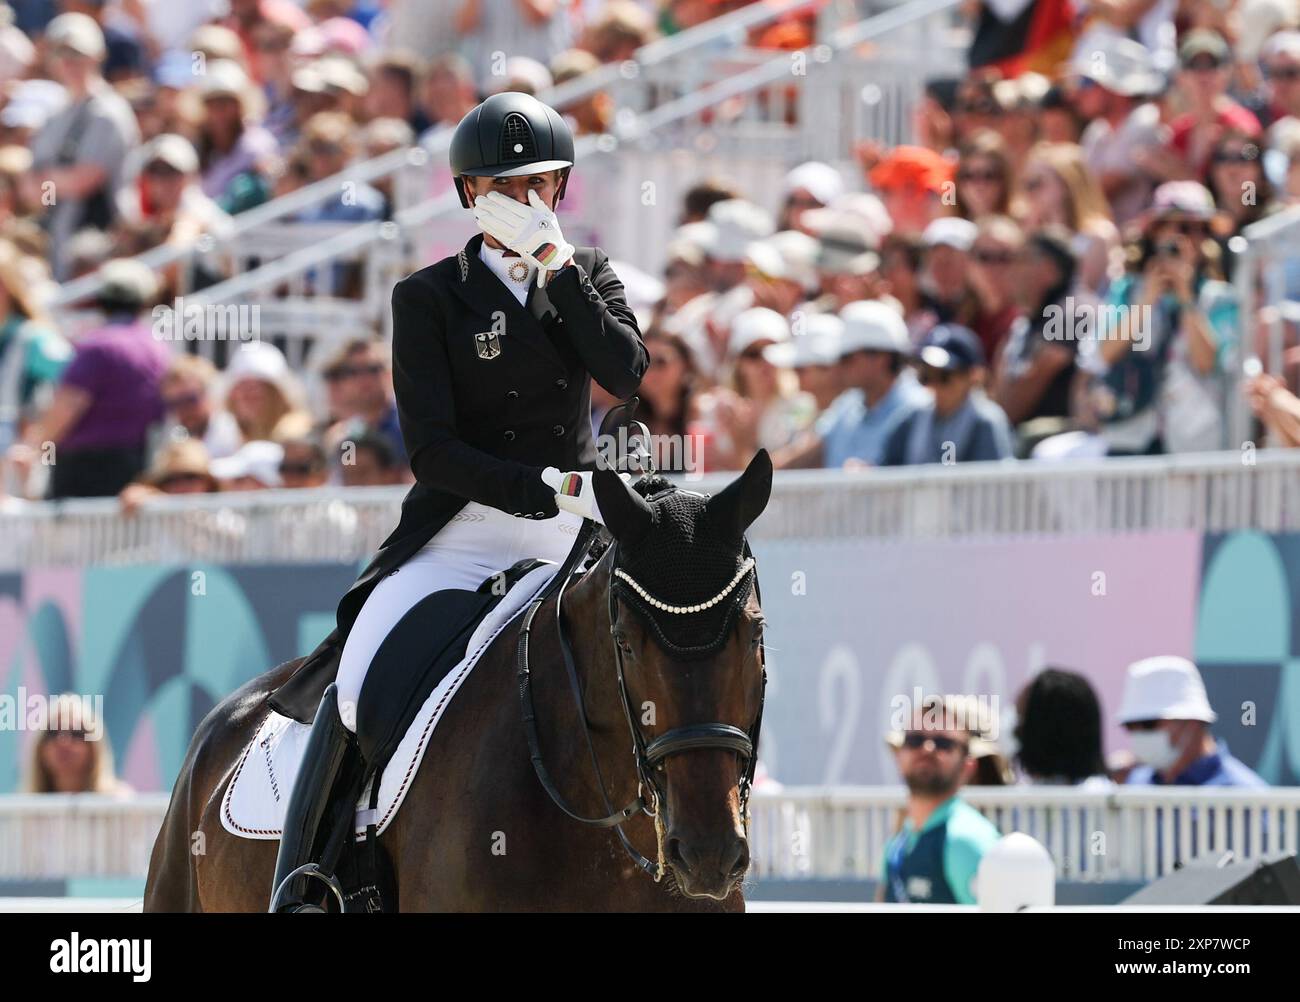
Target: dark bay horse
681	667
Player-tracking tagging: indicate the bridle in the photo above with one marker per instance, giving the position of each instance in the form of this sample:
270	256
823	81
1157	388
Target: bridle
651	756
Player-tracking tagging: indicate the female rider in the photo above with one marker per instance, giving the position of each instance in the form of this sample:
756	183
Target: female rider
494	349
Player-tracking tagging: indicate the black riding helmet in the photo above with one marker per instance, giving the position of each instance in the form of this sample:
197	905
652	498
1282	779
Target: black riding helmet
507	135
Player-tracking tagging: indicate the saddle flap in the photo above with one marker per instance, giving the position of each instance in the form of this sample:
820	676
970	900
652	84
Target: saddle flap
254	803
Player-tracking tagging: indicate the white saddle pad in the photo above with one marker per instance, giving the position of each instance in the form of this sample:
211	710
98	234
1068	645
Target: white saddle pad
257	796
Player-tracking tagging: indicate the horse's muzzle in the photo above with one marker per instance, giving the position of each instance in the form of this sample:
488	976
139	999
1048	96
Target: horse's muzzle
707	867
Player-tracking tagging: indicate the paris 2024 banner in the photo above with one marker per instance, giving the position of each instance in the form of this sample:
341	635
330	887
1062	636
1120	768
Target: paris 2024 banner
856	630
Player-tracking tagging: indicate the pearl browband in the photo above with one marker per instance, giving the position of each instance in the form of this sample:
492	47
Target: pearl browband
699	606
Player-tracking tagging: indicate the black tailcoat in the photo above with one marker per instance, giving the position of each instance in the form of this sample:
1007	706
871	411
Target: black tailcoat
488	395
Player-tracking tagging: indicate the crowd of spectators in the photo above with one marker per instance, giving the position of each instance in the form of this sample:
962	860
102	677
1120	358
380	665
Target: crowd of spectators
1044	272
1059	245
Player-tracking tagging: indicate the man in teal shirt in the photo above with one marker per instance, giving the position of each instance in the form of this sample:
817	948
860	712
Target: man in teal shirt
934	856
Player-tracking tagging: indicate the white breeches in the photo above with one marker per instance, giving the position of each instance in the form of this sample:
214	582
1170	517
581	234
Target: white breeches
476	543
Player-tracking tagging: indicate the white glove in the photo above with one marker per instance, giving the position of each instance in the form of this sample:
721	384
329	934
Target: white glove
531	230
574	492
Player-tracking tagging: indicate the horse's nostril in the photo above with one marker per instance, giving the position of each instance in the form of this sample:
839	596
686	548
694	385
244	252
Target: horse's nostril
739	854
678	854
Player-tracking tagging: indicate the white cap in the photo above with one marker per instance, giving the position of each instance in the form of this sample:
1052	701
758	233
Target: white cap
818	344
1287	42
873	326
1164	688
127	280
820	180
736	224
1015	872
755	324
257	360
522	69
174	150
858	211
223	77
798	252
951	231
78	32
259	460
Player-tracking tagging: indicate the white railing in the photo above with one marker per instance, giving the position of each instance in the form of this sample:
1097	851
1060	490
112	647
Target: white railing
52	836
1214	492
1129	835
1133	834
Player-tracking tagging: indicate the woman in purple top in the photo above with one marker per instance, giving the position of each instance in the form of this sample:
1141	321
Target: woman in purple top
230	142
109	397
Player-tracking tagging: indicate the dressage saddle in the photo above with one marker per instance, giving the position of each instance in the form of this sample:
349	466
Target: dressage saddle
427	642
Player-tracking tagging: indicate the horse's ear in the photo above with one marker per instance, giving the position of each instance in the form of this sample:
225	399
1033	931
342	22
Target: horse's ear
624	511
736	506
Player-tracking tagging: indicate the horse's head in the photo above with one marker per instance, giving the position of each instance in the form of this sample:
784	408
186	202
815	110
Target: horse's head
687	630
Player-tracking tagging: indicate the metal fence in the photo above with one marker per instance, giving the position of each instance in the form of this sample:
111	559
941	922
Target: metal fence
1124	836
1214	492
1128	835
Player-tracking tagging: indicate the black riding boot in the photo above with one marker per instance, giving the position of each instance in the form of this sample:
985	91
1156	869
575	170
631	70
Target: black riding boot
322	805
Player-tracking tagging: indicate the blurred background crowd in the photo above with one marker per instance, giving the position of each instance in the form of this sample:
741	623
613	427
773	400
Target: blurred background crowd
1044	272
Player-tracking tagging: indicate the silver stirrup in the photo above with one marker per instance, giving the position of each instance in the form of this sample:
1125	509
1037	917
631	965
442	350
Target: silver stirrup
312	870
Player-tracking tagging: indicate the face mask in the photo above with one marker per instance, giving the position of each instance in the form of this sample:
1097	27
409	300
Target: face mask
1153	749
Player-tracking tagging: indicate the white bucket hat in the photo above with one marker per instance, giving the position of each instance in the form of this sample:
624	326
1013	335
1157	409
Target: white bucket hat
818	344
755	324
257	459
870	325
1164	688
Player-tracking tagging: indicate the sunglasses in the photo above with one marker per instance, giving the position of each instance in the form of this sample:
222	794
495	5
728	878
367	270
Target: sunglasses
1187	227
989	176
298	469
181	478
1241	156
347	372
1202	64
928	376
160	169
76	733
182	400
918	740
1142	725
1287	73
